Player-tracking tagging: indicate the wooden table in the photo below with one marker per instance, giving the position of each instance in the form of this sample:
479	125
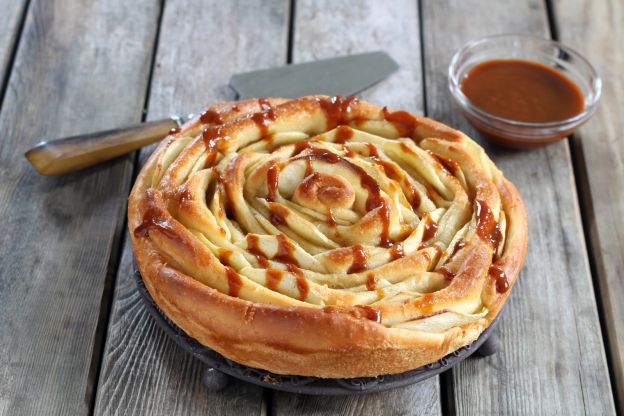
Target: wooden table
75	337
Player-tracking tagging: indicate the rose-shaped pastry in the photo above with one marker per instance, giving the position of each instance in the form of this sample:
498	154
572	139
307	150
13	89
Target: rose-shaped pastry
326	236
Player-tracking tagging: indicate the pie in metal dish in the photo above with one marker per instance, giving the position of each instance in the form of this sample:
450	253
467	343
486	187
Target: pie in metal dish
326	236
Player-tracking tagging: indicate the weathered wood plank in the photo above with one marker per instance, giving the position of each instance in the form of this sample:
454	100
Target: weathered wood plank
594	29
144	372
419	399
325	29
553	360
80	66
10	22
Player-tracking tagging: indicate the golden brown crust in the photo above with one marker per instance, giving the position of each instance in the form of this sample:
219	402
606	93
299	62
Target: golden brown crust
208	247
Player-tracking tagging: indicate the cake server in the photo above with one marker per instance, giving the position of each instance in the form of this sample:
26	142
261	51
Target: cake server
345	75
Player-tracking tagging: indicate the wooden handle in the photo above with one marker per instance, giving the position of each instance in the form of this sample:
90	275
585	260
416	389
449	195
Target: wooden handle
56	157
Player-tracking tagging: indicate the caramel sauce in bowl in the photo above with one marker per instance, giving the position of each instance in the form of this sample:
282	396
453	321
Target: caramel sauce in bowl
523	91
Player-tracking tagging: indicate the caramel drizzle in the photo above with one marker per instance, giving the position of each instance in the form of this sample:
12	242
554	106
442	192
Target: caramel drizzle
373	152
384	236
426	303
396	251
235	282
359	260
211	117
300	147
337	109
448	275
182	195
404	122
343	134
458	246
224	255
285	250
273	278
278	214
368	312
431	227
348	152
357	311
330	218
253	248
502	284
447	163
284	254
264	104
302	283
272	182
153	219
215	142
309	170
487	227
264	118
213	137
371	281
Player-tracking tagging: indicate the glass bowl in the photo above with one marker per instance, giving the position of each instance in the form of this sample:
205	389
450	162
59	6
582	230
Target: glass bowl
520	133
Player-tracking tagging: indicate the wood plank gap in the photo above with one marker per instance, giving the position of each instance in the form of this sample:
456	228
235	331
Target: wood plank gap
588	217
14	47
447	394
117	247
101	328
267	402
552	21
423	72
149	80
586	206
291	31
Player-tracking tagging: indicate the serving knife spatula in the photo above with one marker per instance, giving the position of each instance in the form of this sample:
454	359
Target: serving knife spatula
345	75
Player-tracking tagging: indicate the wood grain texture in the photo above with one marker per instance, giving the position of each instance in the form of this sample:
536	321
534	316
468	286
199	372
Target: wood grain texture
324	29
11	18
146	373
553	359
201	45
80	66
594	28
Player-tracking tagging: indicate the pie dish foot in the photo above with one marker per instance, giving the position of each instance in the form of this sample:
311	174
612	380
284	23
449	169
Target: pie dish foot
490	346
214	380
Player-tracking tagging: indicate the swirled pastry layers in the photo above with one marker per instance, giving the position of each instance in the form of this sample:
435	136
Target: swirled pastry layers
326	236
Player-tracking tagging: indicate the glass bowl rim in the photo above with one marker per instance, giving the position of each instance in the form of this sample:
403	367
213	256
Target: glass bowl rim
466	104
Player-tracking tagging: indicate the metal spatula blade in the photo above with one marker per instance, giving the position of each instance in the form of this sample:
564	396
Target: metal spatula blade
345	75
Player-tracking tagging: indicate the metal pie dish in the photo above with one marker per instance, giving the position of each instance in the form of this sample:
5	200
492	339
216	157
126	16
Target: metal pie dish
219	369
